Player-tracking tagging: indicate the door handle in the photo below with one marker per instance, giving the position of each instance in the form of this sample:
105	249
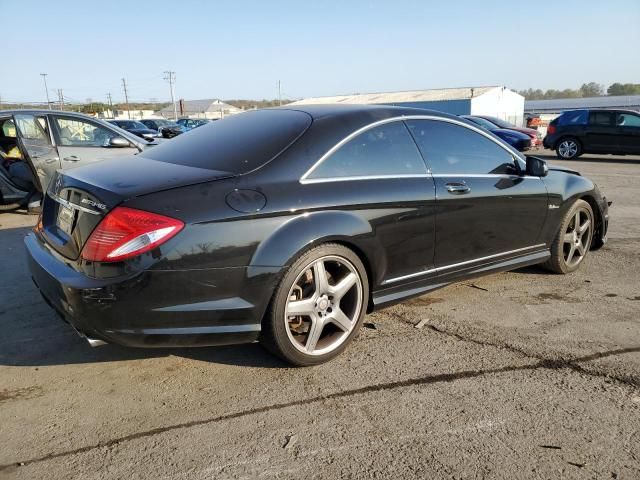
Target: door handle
51	160
458	188
71	158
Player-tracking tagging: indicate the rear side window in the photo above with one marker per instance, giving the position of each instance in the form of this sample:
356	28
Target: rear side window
579	117
386	150
601	118
238	144
627	120
451	149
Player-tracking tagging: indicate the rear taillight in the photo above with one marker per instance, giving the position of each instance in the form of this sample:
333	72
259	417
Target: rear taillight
551	129
127	232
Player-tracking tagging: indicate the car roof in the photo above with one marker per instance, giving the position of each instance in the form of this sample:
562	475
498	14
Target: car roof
384	111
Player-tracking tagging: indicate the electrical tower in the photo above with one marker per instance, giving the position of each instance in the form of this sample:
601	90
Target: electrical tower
171	78
126	97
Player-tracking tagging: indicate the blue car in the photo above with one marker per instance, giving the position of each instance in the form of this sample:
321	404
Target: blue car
191	123
517	140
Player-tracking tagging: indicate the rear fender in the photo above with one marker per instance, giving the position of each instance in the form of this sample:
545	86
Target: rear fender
309	230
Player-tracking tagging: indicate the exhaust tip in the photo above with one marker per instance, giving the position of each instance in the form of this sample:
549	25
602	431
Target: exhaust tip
94	342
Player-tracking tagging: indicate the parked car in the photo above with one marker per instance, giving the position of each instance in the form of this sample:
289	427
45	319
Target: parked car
594	131
35	143
287	226
166	128
519	141
137	128
191	123
536	137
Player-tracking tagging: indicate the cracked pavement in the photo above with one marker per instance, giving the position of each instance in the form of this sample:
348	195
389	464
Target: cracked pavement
516	375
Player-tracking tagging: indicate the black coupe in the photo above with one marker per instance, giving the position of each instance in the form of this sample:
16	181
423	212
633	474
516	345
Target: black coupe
287	225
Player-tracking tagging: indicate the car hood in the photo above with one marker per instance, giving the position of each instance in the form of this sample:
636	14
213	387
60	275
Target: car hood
528	131
513	133
565	170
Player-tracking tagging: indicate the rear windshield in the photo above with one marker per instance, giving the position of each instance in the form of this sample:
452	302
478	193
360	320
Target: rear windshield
238	144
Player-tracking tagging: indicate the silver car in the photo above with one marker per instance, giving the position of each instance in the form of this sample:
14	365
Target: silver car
36	143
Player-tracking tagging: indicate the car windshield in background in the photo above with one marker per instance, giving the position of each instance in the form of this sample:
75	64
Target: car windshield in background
482	122
131	125
237	144
500	123
577	117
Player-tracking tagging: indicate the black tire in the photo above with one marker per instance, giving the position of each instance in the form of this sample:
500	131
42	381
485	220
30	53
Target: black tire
277	334
568	148
561	248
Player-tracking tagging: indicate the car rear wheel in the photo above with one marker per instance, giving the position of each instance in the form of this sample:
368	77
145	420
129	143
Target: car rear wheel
573	240
318	306
568	148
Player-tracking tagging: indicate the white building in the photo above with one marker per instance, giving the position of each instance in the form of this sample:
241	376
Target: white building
209	108
492	100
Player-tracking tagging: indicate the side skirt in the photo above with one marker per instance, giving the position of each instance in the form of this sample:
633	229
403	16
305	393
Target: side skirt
389	296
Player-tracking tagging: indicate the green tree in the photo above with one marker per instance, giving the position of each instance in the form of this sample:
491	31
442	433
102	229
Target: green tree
624	89
591	89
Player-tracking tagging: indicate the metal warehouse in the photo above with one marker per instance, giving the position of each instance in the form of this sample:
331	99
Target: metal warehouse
491	100
557	106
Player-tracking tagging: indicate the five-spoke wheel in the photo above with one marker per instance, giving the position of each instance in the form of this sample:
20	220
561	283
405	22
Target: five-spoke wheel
318	306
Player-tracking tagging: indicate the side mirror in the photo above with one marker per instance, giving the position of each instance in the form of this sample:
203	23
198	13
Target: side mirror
118	142
536	167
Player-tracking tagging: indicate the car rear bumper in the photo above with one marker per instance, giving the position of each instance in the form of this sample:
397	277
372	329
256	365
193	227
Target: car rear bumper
155	308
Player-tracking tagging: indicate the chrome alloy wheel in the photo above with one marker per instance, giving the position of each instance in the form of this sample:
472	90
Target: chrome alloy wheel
323	305
568	149
577	238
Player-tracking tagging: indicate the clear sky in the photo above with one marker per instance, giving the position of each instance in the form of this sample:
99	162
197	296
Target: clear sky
240	49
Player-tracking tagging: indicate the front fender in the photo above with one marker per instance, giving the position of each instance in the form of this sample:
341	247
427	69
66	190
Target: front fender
307	230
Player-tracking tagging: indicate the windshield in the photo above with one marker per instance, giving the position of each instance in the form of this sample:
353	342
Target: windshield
482	122
238	144
498	122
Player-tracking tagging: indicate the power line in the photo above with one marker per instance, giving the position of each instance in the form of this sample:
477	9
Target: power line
126	97
110	103
171	78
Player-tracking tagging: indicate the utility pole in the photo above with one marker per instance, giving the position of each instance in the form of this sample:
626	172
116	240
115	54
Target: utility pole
110	103
171	78
279	93
46	89
61	99
126	97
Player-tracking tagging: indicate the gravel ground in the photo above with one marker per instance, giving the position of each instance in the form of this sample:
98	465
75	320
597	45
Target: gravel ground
516	375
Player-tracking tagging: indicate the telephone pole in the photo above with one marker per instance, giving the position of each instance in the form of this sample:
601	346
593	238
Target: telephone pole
171	78
126	97
279	93
61	99
46	89
110	103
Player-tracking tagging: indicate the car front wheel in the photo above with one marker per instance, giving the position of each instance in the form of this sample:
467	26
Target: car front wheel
573	240
318	306
568	148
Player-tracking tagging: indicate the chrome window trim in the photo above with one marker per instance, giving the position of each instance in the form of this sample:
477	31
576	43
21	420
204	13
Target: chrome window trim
402	118
72	206
459	264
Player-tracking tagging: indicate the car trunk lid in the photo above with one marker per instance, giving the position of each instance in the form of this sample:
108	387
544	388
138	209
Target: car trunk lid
77	200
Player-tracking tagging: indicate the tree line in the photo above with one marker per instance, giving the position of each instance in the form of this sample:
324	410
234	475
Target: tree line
591	89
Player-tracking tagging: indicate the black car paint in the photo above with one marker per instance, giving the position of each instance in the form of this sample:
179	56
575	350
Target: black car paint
212	283
608	139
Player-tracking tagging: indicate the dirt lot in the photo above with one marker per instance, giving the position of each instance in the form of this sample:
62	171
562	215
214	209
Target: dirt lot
517	375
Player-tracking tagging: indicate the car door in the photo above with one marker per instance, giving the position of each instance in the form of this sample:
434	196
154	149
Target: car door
34	137
628	125
601	134
81	141
379	175
485	207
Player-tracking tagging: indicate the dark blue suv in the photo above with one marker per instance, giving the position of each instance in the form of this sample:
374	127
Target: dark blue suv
576	132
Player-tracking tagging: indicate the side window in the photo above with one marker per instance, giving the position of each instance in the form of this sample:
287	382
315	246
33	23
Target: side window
627	120
384	150
601	118
76	132
579	117
31	129
456	150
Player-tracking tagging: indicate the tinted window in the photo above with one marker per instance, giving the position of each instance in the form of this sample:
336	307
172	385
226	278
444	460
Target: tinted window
500	123
32	128
627	120
579	117
237	144
384	150
483	123
453	149
601	118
